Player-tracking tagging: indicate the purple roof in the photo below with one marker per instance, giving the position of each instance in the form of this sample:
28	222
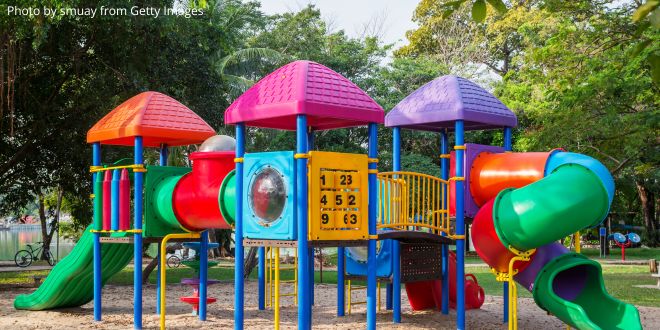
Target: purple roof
436	105
303	87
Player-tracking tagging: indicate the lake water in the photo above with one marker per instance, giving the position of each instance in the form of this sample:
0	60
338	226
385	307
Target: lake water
16	237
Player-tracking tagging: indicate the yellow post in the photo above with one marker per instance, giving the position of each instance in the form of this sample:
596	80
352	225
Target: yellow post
277	289
348	295
578	242
163	262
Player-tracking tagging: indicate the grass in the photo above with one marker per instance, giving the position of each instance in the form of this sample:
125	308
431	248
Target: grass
619	279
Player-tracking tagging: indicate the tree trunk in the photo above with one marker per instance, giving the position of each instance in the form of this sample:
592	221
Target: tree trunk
648	202
47	235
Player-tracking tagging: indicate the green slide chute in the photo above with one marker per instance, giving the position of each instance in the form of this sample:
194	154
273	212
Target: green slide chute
70	282
591	307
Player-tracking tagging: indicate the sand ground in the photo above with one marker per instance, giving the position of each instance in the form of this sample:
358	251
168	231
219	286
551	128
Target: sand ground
118	312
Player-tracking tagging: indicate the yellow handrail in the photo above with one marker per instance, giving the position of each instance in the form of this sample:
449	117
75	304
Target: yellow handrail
414	201
163	262
134	167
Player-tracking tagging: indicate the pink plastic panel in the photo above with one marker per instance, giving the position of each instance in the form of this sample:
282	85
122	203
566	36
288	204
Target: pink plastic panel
303	87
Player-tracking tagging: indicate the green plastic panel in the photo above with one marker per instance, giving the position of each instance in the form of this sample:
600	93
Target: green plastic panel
593	307
159	218
227	197
568	200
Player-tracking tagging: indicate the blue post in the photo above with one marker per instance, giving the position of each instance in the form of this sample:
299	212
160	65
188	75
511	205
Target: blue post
203	273
388	297
444	149
304	301
310	146
341	300
114	201
505	285
460	230
137	238
164	152
96	161
239	299
262	278
396	247
373	212
162	162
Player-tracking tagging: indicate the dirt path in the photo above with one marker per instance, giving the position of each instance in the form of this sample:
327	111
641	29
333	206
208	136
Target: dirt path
118	313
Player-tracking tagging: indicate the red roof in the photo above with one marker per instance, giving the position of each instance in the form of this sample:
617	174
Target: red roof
158	118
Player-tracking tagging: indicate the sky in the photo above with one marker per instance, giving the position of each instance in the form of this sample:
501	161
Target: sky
395	16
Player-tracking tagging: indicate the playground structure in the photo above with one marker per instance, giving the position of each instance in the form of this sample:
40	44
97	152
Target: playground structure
389	227
624	241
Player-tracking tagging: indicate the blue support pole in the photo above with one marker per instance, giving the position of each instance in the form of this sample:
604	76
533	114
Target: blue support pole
137	237
203	273
396	246
239	299
310	146
505	285
114	201
388	297
373	212
444	163
341	300
460	230
262	278
164	151
304	301
98	283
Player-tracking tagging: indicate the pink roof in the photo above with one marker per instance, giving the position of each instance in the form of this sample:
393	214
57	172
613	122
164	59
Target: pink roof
303	87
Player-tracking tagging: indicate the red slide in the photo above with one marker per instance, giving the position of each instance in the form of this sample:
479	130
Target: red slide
428	294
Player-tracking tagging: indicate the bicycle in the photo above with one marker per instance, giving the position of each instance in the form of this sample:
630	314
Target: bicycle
24	258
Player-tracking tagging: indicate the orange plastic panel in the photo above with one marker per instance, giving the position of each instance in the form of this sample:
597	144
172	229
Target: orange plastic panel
156	117
491	173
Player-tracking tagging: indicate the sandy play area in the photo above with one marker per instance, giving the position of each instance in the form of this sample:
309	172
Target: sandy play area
118	313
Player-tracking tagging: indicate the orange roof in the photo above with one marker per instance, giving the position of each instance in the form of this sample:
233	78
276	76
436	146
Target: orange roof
156	117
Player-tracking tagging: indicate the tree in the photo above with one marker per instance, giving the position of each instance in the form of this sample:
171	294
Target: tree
74	69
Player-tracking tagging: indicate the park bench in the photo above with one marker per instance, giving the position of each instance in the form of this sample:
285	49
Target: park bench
655	271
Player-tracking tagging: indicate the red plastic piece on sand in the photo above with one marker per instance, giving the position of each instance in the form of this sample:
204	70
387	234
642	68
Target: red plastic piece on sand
428	294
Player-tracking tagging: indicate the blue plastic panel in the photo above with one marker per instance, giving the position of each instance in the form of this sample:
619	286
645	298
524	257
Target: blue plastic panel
383	260
284	227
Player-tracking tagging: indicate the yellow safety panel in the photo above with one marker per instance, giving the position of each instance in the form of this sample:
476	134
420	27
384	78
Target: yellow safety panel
338	196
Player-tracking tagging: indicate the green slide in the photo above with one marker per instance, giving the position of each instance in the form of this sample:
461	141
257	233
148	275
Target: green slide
70	283
589	308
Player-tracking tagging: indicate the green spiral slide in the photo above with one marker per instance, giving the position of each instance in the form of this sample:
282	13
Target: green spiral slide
71	280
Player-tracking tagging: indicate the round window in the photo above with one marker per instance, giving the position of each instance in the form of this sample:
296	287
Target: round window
268	195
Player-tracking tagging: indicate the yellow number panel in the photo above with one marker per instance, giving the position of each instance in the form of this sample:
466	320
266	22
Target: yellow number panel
327	199
338	196
327	179
353	200
327	219
341	201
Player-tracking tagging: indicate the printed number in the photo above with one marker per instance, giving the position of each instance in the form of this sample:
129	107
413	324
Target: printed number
324	200
339	200
345	179
325	218
323	180
351	200
352	218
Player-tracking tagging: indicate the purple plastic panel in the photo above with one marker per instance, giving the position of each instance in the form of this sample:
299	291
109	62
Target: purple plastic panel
543	255
472	151
303	87
436	105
